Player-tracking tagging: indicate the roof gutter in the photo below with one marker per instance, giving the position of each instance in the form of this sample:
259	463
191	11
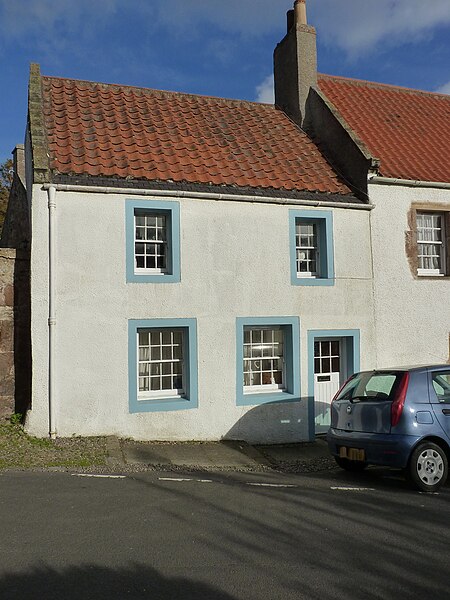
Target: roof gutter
409	182
62	187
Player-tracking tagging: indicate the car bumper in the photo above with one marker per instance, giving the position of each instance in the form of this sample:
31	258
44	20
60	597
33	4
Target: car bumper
380	449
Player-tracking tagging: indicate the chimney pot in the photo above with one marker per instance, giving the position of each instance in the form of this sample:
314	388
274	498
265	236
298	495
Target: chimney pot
300	12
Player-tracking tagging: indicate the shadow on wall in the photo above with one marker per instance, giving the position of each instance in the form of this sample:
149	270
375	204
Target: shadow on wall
22	332
274	423
102	583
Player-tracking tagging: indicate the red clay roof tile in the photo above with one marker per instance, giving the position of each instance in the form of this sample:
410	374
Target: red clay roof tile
408	130
109	130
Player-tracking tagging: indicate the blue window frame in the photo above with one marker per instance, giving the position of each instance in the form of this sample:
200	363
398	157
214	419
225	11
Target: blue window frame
274	341
162	364
152	241
311	247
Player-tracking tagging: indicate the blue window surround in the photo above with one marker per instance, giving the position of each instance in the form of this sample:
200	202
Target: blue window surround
352	337
324	221
291	328
172	211
191	366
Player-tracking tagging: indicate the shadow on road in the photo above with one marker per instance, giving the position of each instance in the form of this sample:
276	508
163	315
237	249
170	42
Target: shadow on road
101	583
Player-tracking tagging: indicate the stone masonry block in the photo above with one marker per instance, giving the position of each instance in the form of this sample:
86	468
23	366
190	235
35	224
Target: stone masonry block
6	336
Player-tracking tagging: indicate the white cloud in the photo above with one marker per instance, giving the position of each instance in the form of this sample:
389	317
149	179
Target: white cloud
265	92
444	89
359	25
249	17
46	17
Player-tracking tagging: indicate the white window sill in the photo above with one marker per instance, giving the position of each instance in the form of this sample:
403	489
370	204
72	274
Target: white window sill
423	273
150	272
162	395
263	389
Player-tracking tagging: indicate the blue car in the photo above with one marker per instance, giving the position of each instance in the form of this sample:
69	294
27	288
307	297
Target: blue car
396	418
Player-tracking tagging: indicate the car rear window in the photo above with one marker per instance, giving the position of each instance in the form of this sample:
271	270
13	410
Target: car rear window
376	385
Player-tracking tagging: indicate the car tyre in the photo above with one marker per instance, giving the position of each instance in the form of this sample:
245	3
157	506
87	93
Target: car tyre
350	465
428	467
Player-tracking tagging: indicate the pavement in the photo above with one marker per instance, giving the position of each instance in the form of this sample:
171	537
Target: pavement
235	455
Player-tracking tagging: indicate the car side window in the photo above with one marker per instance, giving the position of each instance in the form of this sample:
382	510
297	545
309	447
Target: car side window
441	385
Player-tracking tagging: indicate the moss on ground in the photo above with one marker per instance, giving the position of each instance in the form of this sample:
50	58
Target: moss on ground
18	450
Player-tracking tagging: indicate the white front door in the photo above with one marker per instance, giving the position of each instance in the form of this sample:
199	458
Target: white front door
328	368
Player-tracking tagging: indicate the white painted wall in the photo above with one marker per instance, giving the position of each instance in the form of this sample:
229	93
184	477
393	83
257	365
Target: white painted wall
412	314
234	262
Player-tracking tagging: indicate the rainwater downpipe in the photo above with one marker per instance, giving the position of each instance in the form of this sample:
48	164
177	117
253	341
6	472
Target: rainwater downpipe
51	309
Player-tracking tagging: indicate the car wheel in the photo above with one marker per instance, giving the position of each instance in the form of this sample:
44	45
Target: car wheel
428	467
350	465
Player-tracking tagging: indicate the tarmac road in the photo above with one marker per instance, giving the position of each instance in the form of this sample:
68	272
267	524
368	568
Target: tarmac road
221	536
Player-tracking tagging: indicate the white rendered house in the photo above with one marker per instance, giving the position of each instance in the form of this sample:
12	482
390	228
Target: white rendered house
193	273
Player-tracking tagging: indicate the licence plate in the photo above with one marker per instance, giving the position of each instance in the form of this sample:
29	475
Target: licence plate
352	453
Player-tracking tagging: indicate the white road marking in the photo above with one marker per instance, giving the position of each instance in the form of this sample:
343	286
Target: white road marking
173	479
275	485
99	476
205	480
352	489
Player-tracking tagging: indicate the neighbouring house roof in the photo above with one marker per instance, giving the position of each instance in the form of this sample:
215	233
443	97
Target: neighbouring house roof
100	130
408	130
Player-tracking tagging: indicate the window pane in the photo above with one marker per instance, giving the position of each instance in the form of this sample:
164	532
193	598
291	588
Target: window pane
326	365
166	352
144	369
256	379
155	353
155	369
155	384
266	344
161	360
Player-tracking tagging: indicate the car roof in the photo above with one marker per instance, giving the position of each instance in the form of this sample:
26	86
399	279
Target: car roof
426	367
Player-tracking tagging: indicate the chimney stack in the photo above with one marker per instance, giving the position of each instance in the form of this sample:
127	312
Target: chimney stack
300	12
295	64
19	162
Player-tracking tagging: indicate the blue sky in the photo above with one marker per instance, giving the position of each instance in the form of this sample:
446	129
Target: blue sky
213	47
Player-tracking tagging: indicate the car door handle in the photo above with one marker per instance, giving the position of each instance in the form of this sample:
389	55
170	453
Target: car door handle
446	411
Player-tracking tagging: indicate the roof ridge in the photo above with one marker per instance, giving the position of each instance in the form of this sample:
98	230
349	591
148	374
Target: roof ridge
382	85
158	91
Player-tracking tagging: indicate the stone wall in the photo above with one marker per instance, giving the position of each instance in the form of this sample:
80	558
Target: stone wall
7	267
15	355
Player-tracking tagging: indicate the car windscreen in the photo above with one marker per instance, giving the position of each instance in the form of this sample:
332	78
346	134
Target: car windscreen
374	385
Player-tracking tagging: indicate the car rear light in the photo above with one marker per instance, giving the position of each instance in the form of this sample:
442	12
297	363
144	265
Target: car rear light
399	400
